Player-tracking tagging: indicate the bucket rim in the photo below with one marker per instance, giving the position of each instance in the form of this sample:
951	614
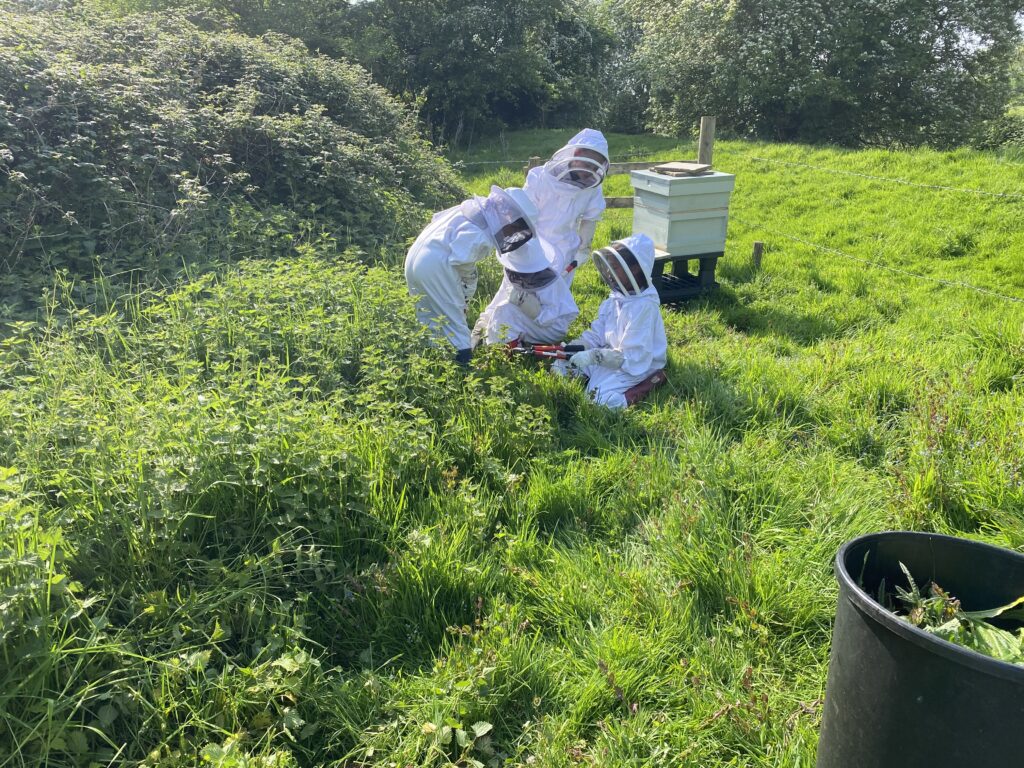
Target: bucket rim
867	605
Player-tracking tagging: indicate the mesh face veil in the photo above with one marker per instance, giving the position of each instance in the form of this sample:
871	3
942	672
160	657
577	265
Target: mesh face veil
507	221
513	235
620	270
531	281
580	166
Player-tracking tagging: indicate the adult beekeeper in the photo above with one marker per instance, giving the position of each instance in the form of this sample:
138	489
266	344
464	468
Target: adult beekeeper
440	268
566	191
625	348
534	302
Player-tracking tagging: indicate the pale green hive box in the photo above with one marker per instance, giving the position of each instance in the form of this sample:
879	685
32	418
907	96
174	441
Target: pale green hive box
683	215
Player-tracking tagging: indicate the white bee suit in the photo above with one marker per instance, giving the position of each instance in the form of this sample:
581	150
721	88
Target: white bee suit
540	316
440	270
632	326
567	215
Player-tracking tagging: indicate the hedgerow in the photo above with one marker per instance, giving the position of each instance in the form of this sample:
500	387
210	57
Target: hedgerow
131	147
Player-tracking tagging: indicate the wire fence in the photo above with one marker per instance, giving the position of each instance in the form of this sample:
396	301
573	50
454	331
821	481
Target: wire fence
617	158
829	249
1014	195
879	265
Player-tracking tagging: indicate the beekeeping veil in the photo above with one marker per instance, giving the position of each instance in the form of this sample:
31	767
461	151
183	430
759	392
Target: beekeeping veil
507	215
583	162
626	265
532	267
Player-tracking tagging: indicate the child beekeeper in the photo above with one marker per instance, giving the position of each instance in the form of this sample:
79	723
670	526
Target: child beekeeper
534	302
625	349
440	268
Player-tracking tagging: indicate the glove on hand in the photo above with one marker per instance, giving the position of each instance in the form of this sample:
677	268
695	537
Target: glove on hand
607	358
581	257
527	302
468	278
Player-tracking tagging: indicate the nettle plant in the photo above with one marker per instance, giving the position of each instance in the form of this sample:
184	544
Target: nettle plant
216	500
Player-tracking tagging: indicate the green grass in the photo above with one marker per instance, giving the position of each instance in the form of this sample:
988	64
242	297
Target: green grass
261	520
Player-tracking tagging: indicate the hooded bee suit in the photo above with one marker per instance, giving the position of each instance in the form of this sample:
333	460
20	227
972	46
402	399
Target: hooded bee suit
440	268
626	343
534	302
567	193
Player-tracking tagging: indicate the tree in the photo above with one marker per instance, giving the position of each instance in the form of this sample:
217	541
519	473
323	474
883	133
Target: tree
477	64
852	71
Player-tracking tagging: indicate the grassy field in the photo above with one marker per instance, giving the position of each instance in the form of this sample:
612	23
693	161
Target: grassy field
258	521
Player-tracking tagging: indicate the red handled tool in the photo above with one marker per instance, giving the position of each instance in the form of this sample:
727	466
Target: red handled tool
553	351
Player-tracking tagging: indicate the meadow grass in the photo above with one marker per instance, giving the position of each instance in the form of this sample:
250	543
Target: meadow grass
260	520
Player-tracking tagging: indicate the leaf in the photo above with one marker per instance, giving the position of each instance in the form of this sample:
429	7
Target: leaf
107	715
287	663
997	643
482	728
291	720
462	738
992	613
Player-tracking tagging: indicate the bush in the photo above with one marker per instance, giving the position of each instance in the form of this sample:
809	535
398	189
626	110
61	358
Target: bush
1004	132
138	144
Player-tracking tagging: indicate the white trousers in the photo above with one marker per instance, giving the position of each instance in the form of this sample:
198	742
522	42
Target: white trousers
608	387
435	285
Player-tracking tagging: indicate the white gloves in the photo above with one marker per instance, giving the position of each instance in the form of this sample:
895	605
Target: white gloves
468	278
607	358
527	302
587	229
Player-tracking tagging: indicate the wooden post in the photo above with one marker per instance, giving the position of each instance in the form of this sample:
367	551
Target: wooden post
707	140
533	163
756	256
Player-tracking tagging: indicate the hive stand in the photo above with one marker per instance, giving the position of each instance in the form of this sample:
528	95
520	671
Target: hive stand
675	282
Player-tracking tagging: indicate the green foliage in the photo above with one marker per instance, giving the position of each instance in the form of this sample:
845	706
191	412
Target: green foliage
132	146
261	520
482	64
940	614
250	477
1017	78
859	71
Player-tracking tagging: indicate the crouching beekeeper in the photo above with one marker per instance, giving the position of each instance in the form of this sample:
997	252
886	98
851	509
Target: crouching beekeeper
625	349
534	302
440	268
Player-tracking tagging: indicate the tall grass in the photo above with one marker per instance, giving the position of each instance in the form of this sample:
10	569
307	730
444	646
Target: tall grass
260	519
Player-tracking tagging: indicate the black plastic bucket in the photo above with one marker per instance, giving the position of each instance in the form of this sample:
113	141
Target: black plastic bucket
898	696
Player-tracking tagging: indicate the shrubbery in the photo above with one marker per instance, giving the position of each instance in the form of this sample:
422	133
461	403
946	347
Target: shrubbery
1006	131
140	144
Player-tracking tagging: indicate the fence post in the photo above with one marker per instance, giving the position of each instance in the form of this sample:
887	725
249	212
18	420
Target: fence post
707	140
533	163
756	256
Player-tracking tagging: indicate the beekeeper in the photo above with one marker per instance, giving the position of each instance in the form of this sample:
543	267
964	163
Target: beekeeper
534	302
566	191
440	268
626	344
